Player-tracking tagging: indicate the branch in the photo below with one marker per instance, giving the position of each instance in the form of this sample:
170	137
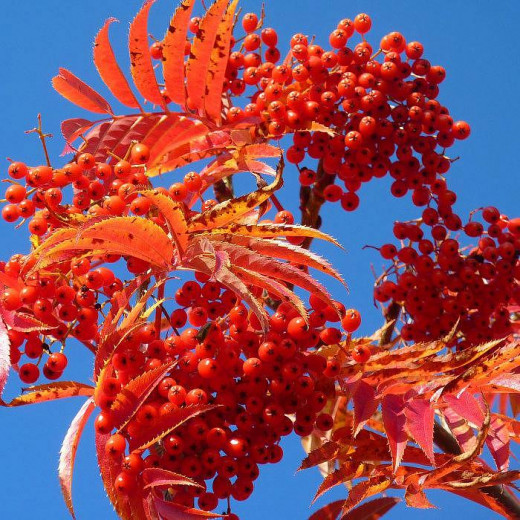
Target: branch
447	443
391	313
311	201
224	189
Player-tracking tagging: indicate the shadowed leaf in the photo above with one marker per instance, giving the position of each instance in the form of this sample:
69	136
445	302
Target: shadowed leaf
372	510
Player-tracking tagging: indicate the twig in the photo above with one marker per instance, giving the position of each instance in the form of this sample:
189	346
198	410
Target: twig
447	443
42	137
224	189
391	313
311	201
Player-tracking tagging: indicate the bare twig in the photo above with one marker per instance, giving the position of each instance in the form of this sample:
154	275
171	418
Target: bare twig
38	130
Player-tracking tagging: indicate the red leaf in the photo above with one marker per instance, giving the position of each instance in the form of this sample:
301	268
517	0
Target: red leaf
157	477
68	451
174	511
328	512
173	52
129	507
365	405
73	128
109	70
498	443
218	63
79	93
467	406
372	510
134	393
319	455
140	59
419	423
200	58
394	422
343	474
165	424
5	359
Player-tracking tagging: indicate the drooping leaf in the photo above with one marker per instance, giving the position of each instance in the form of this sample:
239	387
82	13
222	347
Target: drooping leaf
419	415
164	424
365	405
199	61
277	289
346	472
328	512
323	453
129	507
52	391
69	449
109	70
79	93
218	64
132	236
5	360
173	52
416	497
140	59
467	406
461	430
394	420
364	489
372	510
498	443
128	401
284	250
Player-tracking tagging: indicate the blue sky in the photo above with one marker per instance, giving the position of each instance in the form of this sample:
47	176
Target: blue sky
477	42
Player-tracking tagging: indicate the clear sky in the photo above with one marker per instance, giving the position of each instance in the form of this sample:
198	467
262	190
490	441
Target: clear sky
477	42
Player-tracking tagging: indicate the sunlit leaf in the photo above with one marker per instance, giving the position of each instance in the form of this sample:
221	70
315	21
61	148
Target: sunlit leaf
109	70
51	392
79	93
69	449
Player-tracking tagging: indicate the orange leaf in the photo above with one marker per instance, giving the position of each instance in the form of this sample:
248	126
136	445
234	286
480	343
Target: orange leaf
79	93
200	58
140	60
52	391
109	70
173	213
158	477
128	401
230	210
69	449
361	491
324	453
372	510
218	64
173	52
179	131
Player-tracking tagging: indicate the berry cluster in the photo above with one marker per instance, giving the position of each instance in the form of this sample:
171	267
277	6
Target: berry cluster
377	116
222	358
440	286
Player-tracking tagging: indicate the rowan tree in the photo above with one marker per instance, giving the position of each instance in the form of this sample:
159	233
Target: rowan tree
162	246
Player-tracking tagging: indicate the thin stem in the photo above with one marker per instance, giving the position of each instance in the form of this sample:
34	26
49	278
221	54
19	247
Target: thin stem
42	137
